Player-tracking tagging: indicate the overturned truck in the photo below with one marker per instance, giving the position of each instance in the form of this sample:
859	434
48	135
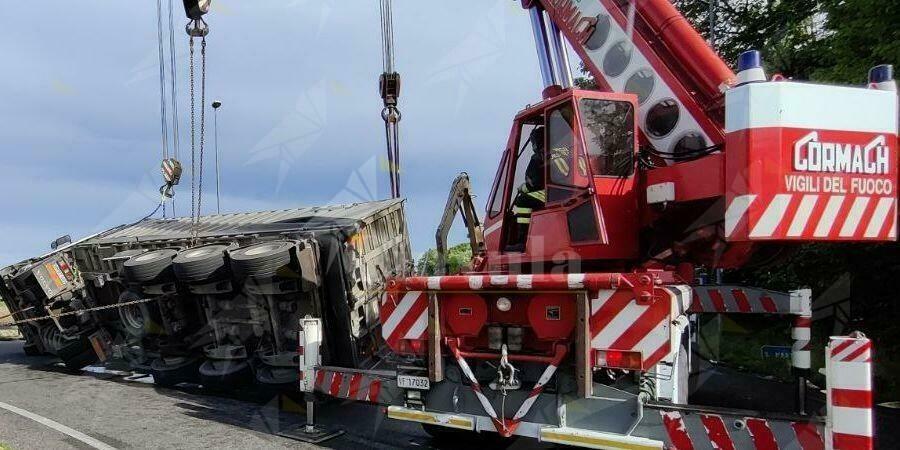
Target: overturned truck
222	307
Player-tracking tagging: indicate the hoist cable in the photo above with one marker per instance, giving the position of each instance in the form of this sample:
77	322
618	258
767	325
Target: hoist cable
173	76
387	34
176	140
164	125
390	92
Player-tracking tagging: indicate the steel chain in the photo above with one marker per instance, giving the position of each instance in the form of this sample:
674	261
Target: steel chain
197	166
202	132
80	311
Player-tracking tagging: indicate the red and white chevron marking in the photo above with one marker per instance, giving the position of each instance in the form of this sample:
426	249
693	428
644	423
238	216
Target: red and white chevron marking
349	385
690	431
403	316
848	372
739	299
620	322
851	350
506	427
820	217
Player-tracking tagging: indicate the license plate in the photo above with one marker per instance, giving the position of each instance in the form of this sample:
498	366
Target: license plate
411	382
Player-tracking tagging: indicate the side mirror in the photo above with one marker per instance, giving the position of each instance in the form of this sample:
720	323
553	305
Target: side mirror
61	241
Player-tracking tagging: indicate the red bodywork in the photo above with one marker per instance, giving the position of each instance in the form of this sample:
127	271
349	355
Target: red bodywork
544	311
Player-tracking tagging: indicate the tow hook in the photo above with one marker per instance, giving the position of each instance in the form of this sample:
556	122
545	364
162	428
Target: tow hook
506	374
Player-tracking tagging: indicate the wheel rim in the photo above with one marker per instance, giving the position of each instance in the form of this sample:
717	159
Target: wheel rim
133	316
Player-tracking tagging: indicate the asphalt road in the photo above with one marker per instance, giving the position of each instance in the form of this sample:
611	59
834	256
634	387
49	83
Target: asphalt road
112	411
131	414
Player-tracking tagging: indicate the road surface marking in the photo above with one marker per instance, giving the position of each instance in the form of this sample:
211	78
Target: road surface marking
57	426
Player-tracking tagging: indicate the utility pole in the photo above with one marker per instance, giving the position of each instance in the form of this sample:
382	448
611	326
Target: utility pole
216	104
712	22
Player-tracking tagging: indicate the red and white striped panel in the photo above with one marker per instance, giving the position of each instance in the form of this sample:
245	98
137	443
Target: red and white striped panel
536	282
620	322
350	385
740	299
819	217
848	372
403	316
689	431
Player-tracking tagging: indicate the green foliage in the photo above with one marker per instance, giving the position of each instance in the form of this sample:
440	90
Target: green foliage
790	34
459	258
820	40
864	33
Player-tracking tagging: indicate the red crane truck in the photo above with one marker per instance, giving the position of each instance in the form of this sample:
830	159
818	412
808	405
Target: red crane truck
573	326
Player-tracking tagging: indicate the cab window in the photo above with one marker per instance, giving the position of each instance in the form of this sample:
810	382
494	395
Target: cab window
499	186
608	136
566	171
529	174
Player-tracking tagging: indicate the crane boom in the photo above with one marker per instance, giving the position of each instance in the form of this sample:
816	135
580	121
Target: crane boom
648	48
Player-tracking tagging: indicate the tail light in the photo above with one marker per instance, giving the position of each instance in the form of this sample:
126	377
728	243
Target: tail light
616	359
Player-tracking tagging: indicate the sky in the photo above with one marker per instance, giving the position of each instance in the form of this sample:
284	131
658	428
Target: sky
300	124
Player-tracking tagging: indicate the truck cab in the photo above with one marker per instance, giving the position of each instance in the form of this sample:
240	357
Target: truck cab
565	191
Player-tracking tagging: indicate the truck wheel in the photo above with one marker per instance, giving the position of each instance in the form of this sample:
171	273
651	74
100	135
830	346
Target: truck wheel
201	263
77	354
261	260
150	266
225	375
32	350
135	319
169	374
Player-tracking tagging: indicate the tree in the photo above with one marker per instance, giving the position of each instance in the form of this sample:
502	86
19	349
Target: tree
790	34
458	257
862	34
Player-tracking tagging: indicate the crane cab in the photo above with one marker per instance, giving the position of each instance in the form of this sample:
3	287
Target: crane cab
565	194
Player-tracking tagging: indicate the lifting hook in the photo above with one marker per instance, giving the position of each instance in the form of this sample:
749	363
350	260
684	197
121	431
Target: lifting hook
195	10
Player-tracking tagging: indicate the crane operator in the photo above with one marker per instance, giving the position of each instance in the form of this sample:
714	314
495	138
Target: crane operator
532	195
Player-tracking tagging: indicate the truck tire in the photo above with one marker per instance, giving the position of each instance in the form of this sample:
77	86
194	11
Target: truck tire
261	260
168	375
135	319
150	266
32	350
225	375
206	262
77	354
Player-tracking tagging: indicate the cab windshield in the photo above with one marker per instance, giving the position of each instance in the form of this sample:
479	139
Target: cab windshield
608	128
